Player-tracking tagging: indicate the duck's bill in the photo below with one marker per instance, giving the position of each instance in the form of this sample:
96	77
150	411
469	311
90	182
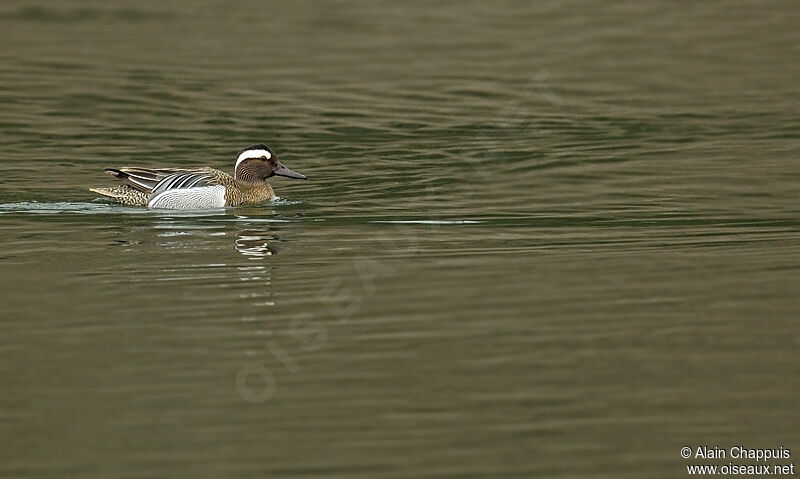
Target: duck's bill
283	171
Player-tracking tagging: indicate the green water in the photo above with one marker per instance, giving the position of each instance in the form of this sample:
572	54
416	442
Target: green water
539	240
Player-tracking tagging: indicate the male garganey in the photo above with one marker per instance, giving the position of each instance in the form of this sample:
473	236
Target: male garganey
200	188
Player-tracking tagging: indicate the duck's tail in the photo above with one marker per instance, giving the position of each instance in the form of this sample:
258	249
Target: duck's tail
122	194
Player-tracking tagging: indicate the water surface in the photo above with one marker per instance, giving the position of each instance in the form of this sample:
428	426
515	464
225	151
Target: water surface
551	240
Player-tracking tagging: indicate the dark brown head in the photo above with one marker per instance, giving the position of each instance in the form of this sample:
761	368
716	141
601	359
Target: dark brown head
258	162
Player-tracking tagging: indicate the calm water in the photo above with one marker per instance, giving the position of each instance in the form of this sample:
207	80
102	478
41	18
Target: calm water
551	240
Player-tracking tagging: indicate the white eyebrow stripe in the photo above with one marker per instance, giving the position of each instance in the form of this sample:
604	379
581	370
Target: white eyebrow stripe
246	155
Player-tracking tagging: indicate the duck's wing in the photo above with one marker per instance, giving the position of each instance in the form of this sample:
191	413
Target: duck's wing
183	180
143	179
188	190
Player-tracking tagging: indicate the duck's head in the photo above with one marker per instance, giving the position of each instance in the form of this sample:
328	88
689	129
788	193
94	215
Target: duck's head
258	162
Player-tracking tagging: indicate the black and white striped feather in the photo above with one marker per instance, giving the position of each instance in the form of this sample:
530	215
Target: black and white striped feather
177	181
142	179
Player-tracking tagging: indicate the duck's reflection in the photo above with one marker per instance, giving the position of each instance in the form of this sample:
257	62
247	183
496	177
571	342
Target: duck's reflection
201	230
200	242
255	243
211	269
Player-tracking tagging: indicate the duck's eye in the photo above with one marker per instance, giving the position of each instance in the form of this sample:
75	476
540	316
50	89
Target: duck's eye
264	158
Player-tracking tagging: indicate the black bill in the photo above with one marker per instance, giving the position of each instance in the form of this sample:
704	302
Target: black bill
283	171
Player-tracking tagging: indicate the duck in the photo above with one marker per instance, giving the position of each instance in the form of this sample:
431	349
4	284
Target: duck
200	188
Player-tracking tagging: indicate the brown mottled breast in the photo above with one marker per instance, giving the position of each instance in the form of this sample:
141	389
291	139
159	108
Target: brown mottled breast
241	193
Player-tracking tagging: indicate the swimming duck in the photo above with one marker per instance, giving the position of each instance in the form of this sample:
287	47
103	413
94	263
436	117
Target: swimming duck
200	188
